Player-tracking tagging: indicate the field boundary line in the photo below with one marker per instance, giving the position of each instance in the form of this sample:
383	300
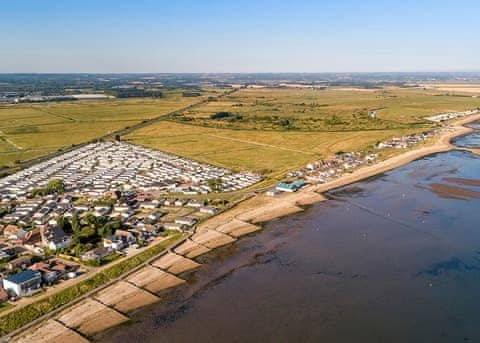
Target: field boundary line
260	144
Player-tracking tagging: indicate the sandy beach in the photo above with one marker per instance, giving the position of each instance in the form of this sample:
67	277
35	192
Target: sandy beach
139	289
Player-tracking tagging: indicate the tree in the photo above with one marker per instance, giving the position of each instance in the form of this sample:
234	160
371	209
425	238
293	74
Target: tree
56	186
90	219
75	223
215	184
64	224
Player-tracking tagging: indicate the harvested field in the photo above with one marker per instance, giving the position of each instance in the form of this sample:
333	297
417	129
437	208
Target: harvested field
125	297
154	279
211	238
84	317
51	332
191	249
238	228
175	264
456	88
34	130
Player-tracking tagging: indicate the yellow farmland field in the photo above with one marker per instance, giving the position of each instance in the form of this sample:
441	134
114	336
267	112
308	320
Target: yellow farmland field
32	130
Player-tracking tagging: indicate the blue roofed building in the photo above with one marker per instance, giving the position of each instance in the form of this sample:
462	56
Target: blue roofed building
23	284
290	186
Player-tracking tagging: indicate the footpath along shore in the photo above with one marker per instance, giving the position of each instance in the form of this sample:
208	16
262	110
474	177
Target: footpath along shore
117	303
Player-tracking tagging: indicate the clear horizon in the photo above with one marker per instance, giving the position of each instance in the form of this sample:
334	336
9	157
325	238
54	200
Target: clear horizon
251	37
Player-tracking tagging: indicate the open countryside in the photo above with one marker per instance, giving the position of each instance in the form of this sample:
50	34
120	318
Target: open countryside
251	171
272	130
288	125
32	130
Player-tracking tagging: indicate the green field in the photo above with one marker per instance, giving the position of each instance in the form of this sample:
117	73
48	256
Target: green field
32	130
268	130
326	110
254	135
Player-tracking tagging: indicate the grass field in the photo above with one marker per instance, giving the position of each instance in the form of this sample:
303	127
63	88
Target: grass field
329	109
32	130
269	130
269	152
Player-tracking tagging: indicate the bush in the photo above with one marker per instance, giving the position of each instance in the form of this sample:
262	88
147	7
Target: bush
220	115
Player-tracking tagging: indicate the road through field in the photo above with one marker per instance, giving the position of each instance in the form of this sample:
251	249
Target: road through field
9	142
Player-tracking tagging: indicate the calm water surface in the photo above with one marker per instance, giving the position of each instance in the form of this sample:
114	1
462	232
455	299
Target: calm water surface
471	140
393	259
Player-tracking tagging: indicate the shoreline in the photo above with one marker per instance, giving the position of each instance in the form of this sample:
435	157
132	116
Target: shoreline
222	229
442	144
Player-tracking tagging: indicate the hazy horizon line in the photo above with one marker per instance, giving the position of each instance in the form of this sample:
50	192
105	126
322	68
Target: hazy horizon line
252	72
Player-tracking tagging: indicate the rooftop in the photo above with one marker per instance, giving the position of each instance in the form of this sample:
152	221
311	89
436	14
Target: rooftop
23	276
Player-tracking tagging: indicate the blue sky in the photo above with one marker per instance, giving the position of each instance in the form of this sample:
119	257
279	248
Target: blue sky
239	36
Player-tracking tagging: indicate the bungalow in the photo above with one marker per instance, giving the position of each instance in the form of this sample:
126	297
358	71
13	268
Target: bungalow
127	237
97	254
175	226
208	210
273	192
122	208
81	208
180	202
13	232
63	269
101	211
151	230
195	203
186	221
155	216
113	242
24	283
169	202
20	262
149	205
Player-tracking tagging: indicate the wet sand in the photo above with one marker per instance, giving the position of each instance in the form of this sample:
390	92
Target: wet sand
237	228
175	264
447	191
154	280
191	249
125	297
467	182
51	332
90	317
211	238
